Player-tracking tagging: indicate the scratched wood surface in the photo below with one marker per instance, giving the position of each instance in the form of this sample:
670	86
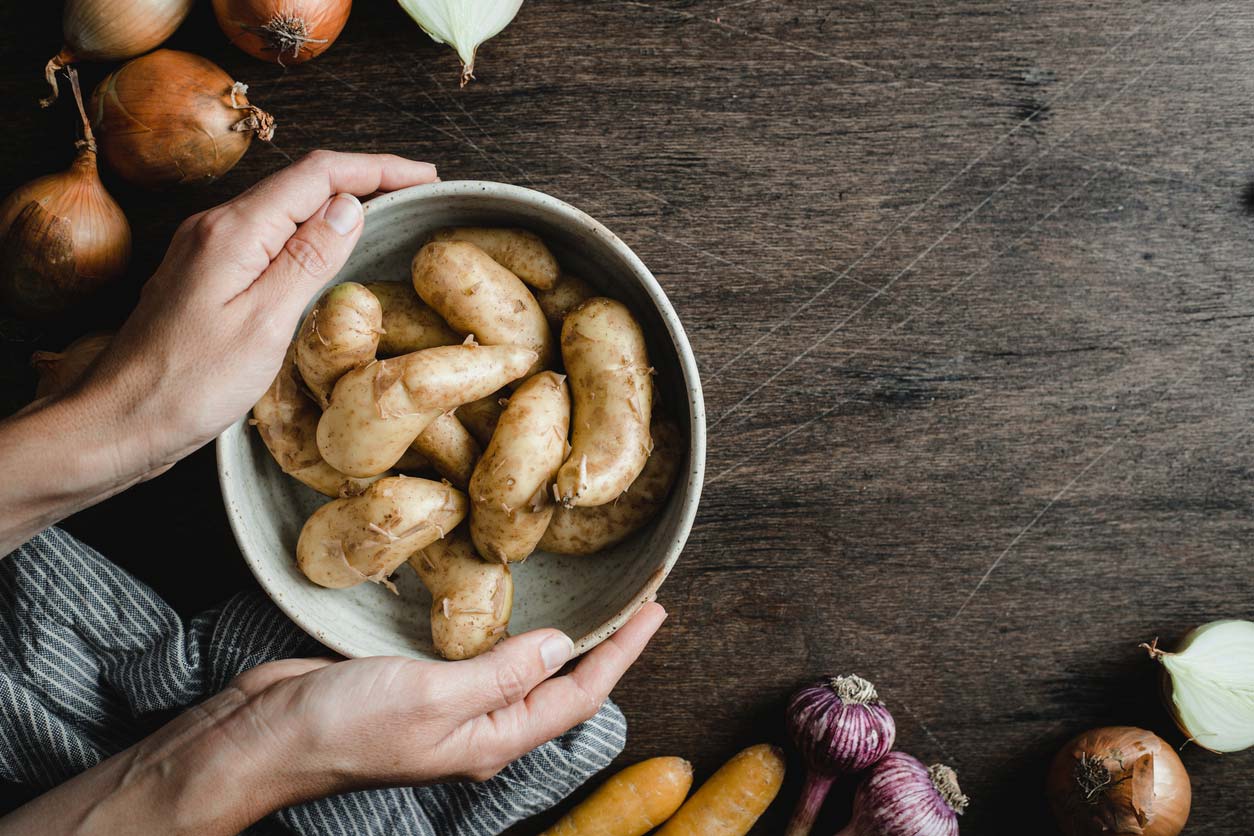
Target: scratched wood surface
968	283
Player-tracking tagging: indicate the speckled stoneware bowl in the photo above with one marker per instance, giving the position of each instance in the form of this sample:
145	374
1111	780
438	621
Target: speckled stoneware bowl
586	597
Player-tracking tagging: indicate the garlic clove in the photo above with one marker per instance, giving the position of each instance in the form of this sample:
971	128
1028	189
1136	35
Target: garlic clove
462	24
1209	684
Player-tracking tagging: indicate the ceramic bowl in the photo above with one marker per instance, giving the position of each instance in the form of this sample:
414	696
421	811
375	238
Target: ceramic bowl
586	597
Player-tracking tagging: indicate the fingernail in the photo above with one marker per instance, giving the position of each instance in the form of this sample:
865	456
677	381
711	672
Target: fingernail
555	651
344	213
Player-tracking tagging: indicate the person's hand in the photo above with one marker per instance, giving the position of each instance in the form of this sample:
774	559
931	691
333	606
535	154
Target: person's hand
290	731
214	321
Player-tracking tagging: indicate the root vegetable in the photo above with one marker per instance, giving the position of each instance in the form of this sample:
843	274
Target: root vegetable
366	537
517	250
590	530
449	448
611	383
630	803
340	333
475	295
471	600
377	411
286	418
562	298
510	492
59	370
733	798
481	416
283	31
409	324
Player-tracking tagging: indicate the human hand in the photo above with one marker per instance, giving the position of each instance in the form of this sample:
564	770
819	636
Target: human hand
213	322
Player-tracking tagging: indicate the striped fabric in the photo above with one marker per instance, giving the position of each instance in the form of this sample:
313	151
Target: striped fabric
91	660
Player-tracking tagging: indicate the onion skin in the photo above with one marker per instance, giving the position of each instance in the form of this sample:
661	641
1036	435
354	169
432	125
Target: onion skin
1119	780
62	236
113	30
840	726
283	32
902	797
60	370
173	118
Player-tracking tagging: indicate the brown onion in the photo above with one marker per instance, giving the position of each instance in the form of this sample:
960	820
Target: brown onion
172	117
61	235
113	30
1117	780
59	370
282	31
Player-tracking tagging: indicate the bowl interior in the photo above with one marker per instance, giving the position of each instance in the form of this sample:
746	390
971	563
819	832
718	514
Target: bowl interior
586	597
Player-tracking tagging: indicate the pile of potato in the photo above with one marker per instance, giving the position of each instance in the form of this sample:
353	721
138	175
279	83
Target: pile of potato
459	377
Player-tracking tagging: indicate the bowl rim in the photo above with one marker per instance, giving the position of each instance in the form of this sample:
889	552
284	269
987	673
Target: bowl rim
688	368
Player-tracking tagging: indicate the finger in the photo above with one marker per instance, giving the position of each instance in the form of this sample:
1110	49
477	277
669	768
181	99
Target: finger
308	261
295	194
505	674
262	677
560	704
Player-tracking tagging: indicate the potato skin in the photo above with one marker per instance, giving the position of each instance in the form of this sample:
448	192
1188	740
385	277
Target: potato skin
377	411
481	416
521	252
286	418
409	324
611	383
340	333
590	530
475	295
449	448
366	537
562	298
471	600
511	503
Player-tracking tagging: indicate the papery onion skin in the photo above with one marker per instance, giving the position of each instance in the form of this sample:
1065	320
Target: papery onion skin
59	370
282	31
172	118
902	797
1118	780
113	30
840	726
451	22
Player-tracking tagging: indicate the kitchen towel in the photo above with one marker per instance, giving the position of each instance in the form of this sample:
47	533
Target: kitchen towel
91	660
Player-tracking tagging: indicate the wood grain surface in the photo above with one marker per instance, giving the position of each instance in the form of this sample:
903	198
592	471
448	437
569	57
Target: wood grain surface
969	285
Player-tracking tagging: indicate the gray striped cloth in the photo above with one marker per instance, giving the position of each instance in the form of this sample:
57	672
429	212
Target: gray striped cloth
93	660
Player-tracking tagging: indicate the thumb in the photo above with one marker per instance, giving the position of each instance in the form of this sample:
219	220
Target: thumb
313	255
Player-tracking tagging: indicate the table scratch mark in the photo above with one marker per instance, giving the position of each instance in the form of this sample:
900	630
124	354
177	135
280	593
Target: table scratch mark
821	415
987	199
1027	120
1067	487
1156	175
927	731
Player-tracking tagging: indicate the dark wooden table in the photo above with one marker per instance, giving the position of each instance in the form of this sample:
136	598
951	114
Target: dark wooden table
969	284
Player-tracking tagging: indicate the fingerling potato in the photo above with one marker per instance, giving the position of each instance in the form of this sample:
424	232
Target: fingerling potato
562	298
471	600
611	384
590	530
377	411
475	295
480	416
510	497
286	418
364	538
409	324
517	250
450	449
340	333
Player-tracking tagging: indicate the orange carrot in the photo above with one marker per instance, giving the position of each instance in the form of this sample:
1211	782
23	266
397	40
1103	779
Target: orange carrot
631	803
732	800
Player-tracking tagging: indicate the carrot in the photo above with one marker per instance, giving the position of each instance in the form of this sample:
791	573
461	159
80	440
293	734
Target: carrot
732	800
631	803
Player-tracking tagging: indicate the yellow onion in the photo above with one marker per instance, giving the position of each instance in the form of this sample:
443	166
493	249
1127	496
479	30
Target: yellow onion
113	30
59	370
1119	780
171	117
61	236
282	31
